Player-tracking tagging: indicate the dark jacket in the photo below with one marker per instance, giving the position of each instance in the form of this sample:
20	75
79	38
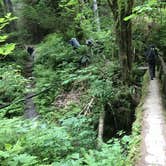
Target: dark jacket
151	55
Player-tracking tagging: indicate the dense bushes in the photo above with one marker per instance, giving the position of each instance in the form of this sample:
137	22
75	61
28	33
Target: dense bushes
12	88
73	86
53	51
36	143
57	68
37	19
30	143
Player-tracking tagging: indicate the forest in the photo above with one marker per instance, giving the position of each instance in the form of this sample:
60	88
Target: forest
72	79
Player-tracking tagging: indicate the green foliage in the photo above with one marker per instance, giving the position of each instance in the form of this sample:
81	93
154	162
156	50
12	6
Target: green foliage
12	87
48	144
149	7
11	151
26	142
58	69
7	48
159	33
35	143
37	19
83	134
12	83
57	65
6	20
69	3
41	14
100	80
135	142
19	56
103	86
45	78
82	75
111	154
53	51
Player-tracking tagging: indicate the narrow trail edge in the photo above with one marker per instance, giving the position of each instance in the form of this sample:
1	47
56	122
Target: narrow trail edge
153	147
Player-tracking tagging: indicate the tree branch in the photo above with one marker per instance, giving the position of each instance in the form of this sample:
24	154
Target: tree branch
110	4
114	7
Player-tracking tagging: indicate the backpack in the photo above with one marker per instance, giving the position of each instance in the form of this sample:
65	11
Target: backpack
151	55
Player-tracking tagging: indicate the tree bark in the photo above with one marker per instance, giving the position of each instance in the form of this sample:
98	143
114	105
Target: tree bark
8	6
96	13
123	31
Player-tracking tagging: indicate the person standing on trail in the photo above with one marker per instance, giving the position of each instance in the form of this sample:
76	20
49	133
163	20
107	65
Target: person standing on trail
89	42
30	50
151	55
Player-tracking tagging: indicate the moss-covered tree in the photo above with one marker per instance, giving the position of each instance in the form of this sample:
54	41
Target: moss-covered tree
123	29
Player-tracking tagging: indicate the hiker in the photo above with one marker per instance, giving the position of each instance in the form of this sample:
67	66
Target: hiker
89	42
151	55
74	42
30	50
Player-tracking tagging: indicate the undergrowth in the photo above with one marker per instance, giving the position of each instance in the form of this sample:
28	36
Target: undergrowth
67	132
135	143
12	89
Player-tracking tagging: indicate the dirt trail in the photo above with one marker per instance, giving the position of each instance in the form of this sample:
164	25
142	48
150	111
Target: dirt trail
29	104
153	150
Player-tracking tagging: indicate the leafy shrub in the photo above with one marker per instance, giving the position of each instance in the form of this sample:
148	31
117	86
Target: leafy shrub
46	78
34	139
81	131
19	56
12	87
111	154
6	49
31	142
11	150
53	51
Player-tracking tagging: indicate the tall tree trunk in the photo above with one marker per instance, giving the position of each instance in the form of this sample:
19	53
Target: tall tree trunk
8	6
123	34
78	29
96	13
9	9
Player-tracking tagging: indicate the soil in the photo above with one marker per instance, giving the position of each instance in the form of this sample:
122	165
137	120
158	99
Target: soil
29	104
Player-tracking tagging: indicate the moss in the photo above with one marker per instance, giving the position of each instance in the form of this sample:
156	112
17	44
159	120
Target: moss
135	143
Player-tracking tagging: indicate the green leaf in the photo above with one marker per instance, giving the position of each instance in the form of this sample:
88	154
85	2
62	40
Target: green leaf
2	20
25	159
3	38
4	154
130	17
9	17
7	49
8	147
72	3
75	156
